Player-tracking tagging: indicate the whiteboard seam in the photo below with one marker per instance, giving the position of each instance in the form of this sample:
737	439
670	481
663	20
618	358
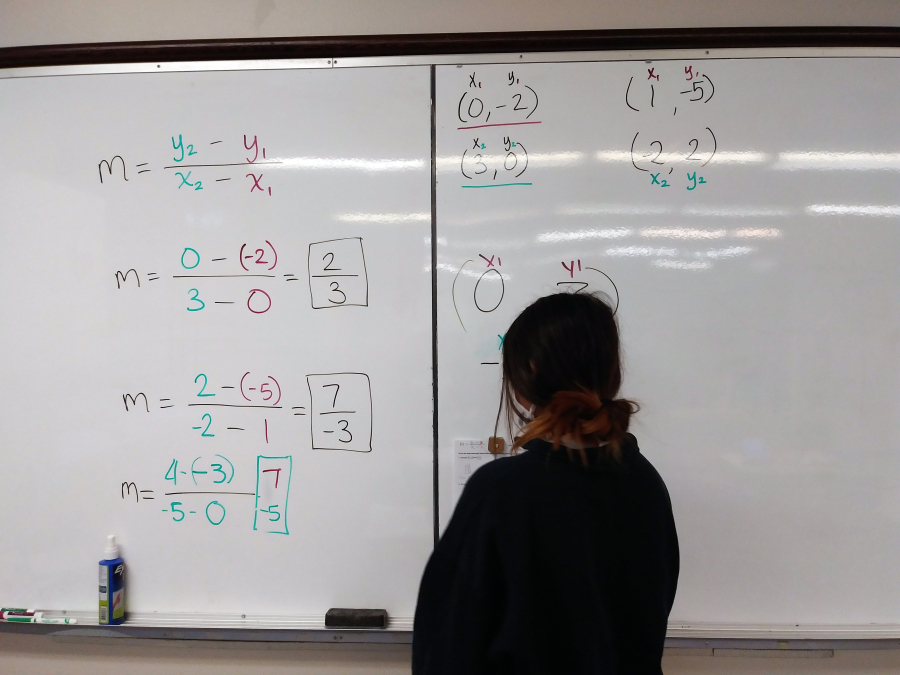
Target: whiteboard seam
434	313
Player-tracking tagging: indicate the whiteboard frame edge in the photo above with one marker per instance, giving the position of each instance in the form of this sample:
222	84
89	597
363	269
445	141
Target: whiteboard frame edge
165	67
618	55
697	637
219	627
384	636
776	633
451	60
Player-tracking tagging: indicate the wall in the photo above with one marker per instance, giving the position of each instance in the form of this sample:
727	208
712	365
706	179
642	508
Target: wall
25	22
21	655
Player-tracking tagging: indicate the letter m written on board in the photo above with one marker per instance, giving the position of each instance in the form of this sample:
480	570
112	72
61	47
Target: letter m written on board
109	167
128	397
126	489
122	278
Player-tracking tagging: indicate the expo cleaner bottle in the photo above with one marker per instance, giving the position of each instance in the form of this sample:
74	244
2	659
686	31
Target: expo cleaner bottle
112	585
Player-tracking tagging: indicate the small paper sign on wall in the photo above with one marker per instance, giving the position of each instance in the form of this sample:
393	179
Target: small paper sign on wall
469	457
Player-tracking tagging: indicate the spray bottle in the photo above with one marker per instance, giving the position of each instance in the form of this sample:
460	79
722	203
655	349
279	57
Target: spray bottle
112	585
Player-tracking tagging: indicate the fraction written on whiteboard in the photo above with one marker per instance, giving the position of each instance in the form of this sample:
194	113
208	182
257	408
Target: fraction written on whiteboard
339	406
336	272
196	167
206	484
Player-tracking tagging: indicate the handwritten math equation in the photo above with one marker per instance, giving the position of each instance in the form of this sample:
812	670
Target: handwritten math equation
509	163
199	489
672	144
336	275
204	487
195	165
494	115
337	405
645	91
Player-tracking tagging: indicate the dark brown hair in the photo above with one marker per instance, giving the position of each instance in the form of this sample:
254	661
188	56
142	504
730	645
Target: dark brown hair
562	355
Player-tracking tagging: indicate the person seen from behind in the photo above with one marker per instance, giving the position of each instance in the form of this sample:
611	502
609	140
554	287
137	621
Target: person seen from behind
563	558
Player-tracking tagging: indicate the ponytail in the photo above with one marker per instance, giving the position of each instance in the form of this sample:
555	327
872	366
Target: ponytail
562	355
580	417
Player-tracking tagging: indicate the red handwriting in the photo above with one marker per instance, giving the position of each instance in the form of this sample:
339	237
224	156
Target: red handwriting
264	388
570	268
253	146
256	185
277	474
260	309
259	254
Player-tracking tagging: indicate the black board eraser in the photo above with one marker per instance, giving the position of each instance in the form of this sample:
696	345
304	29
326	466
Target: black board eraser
340	617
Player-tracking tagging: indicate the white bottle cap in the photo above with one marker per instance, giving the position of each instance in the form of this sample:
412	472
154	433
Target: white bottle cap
112	550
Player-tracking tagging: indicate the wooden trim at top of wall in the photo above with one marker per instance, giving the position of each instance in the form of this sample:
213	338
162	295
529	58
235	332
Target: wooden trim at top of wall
447	43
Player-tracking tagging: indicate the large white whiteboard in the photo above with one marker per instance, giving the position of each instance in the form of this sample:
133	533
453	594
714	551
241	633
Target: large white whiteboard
108	379
758	312
759	308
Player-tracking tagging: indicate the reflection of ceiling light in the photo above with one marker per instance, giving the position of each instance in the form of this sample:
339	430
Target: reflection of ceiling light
721	157
474	273
682	265
667	158
827	161
682	233
490	217
734	212
725	157
757	232
447	163
632	251
541	159
729	252
384	217
613	156
554	237
555	158
846	210
611	210
318	163
490	244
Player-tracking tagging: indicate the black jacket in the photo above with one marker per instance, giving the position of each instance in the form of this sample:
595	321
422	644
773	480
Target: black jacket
550	567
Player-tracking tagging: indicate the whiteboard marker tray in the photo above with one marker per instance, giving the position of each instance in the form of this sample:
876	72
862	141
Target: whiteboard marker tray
255	627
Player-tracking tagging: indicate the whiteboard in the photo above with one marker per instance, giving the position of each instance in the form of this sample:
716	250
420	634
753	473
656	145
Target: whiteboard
216	339
744	214
757	309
